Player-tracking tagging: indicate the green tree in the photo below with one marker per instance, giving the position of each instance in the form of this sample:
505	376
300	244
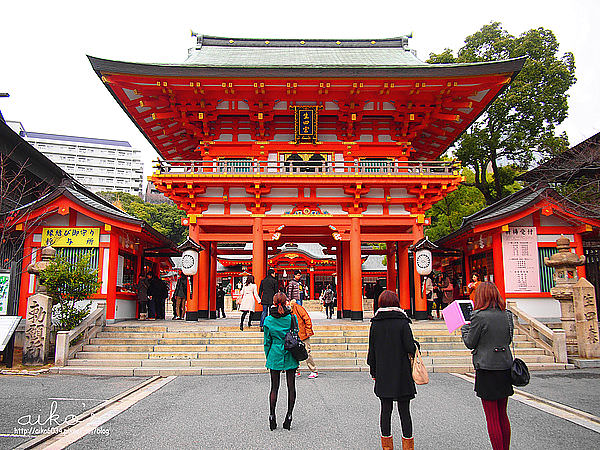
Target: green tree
447	214
519	126
69	284
164	217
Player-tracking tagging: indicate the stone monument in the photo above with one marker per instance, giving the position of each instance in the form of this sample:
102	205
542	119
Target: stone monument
586	319
39	314
565	265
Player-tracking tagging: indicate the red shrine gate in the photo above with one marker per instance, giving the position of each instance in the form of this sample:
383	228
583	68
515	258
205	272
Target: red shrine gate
305	141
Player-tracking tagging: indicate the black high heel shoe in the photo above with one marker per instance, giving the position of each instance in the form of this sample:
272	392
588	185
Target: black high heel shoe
272	423
287	423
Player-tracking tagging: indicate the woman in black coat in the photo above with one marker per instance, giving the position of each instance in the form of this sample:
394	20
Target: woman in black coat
489	336
390	344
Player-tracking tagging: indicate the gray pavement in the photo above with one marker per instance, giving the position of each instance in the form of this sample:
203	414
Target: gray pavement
27	400
337	410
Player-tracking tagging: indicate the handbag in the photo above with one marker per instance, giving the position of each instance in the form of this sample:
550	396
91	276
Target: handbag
293	344
519	373
419	371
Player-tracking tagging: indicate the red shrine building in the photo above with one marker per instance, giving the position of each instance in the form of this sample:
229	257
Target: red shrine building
274	141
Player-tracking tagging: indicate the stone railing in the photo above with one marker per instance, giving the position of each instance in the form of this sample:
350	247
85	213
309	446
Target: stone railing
70	342
241	167
555	341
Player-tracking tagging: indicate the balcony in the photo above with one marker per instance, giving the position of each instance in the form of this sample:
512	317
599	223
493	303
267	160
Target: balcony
252	168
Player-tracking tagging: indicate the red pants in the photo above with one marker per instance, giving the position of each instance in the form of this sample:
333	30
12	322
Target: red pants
497	423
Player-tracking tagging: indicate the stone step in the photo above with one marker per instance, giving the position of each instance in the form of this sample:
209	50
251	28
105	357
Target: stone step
151	371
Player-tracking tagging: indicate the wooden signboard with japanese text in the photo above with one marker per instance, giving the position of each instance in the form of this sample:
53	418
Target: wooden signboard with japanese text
521	261
71	237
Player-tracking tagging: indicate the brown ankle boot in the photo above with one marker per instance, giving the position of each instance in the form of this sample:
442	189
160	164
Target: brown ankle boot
408	444
387	442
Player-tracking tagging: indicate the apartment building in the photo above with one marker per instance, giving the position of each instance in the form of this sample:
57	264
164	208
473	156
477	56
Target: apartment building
98	164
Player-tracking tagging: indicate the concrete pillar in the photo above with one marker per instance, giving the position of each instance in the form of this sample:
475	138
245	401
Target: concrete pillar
212	301
355	270
404	288
192	304
258	254
203	278
346	309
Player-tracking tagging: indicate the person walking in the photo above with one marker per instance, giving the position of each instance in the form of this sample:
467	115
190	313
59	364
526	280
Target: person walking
391	343
489	336
305	331
276	325
328	298
152	295
247	299
377	290
294	288
428	283
220	300
266	292
180	296
142	297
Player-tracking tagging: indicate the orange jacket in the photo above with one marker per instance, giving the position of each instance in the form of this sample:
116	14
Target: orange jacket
304	323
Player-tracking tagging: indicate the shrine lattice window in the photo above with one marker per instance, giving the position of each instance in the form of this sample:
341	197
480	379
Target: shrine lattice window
546	273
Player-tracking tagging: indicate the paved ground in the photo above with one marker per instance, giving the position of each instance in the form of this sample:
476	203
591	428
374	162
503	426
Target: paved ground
337	410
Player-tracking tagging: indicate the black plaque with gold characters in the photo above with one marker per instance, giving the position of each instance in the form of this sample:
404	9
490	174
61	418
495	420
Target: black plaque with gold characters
306	122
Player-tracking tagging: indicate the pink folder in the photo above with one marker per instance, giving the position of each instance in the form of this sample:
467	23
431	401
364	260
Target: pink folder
453	314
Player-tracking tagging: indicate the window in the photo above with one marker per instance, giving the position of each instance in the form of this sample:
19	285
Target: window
546	273
483	264
126	271
74	254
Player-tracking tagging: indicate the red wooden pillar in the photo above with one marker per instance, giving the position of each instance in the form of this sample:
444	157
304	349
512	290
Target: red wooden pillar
25	277
355	270
390	253
338	279
346	309
192	304
203	281
258	254
403	269
311	287
113	261
212	300
498	263
579	251
420	299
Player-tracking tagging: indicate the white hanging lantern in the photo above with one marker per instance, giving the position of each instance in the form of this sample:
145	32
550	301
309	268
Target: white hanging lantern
424	262
189	262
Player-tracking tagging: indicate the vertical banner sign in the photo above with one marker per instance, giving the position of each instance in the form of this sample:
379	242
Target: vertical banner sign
305	123
521	261
4	290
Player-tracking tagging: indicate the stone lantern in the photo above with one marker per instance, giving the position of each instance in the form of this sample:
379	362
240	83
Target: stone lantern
565	265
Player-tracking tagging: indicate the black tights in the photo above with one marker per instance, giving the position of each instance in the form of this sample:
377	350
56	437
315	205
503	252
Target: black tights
290	376
243	317
385	419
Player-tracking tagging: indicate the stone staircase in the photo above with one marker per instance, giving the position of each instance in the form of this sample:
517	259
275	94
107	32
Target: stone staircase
148	350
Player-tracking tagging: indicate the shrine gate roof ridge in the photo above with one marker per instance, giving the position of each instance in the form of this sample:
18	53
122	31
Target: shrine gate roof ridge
306	63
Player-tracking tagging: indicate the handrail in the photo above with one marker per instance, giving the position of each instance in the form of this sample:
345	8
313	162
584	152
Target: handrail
554	341
359	167
89	327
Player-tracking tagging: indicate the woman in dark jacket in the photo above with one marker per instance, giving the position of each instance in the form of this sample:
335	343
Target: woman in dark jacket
276	325
390	344
489	336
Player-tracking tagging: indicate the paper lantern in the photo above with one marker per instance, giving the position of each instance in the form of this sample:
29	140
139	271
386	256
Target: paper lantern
189	262
423	261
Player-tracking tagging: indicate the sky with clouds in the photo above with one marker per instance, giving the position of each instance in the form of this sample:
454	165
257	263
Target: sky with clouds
53	88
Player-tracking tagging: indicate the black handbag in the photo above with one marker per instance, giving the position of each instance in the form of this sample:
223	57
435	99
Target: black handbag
519	372
293	343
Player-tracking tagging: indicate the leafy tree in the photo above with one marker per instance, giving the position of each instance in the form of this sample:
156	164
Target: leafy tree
447	214
519	126
67	284
163	217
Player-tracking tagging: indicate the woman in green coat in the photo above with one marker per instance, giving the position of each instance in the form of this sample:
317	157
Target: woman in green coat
276	325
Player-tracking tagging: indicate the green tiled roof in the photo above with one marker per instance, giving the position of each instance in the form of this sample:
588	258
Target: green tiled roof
261	53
